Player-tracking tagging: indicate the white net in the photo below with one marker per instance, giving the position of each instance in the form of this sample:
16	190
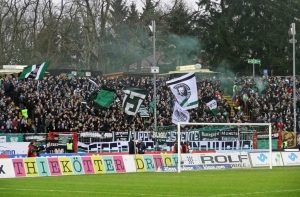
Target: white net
223	145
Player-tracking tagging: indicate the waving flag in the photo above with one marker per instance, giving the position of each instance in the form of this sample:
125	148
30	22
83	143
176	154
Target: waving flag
184	89
36	71
105	98
180	114
94	83
133	99
213	106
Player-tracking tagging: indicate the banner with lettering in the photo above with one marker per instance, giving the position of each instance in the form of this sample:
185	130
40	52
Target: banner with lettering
105	164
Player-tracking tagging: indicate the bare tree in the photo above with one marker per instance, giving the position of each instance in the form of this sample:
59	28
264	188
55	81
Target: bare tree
5	11
94	15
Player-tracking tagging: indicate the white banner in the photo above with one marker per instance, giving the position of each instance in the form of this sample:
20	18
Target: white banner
6	168
262	159
291	158
12	148
205	161
129	163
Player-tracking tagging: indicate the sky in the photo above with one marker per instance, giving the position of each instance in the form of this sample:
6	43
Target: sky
140	3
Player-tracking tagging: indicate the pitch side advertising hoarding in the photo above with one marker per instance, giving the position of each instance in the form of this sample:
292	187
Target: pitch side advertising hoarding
291	158
13	148
262	159
103	164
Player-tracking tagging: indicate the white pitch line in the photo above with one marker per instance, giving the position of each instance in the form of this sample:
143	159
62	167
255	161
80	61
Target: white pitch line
141	194
85	192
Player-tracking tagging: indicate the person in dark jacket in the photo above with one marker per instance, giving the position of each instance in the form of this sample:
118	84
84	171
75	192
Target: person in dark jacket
131	147
141	147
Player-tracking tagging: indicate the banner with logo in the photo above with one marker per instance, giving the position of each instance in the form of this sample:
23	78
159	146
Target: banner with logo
263	159
13	148
291	158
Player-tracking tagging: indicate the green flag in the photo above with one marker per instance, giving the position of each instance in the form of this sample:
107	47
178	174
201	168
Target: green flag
24	113
152	105
105	98
36	71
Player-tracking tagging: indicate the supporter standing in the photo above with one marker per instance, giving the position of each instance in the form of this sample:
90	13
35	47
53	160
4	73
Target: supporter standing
284	144
70	147
131	147
175	148
141	147
185	147
32	149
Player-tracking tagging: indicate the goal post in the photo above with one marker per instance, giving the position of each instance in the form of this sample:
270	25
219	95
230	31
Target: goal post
267	126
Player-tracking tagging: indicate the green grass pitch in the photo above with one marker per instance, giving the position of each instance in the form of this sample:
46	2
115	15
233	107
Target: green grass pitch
279	181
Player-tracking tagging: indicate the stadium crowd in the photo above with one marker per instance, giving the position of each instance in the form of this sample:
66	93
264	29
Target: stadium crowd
62	103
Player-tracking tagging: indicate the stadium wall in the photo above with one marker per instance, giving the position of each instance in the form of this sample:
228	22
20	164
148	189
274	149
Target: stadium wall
105	164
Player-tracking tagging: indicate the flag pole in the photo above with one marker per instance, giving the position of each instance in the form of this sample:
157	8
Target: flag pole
38	87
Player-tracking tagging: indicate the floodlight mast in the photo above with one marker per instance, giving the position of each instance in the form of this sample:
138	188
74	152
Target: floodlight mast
293	33
155	71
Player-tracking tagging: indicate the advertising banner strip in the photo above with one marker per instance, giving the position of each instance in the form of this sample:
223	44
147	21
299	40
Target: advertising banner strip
42	166
6	168
291	158
97	164
77	165
19	167
262	159
87	164
12	148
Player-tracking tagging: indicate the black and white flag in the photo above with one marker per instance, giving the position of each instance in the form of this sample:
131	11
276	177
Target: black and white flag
180	114
212	104
133	99
184	89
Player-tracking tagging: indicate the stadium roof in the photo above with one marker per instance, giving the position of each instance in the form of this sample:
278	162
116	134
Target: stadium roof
193	68
10	71
204	71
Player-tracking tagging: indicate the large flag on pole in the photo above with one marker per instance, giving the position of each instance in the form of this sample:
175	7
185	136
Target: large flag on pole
133	99
184	89
36	71
105	98
180	114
